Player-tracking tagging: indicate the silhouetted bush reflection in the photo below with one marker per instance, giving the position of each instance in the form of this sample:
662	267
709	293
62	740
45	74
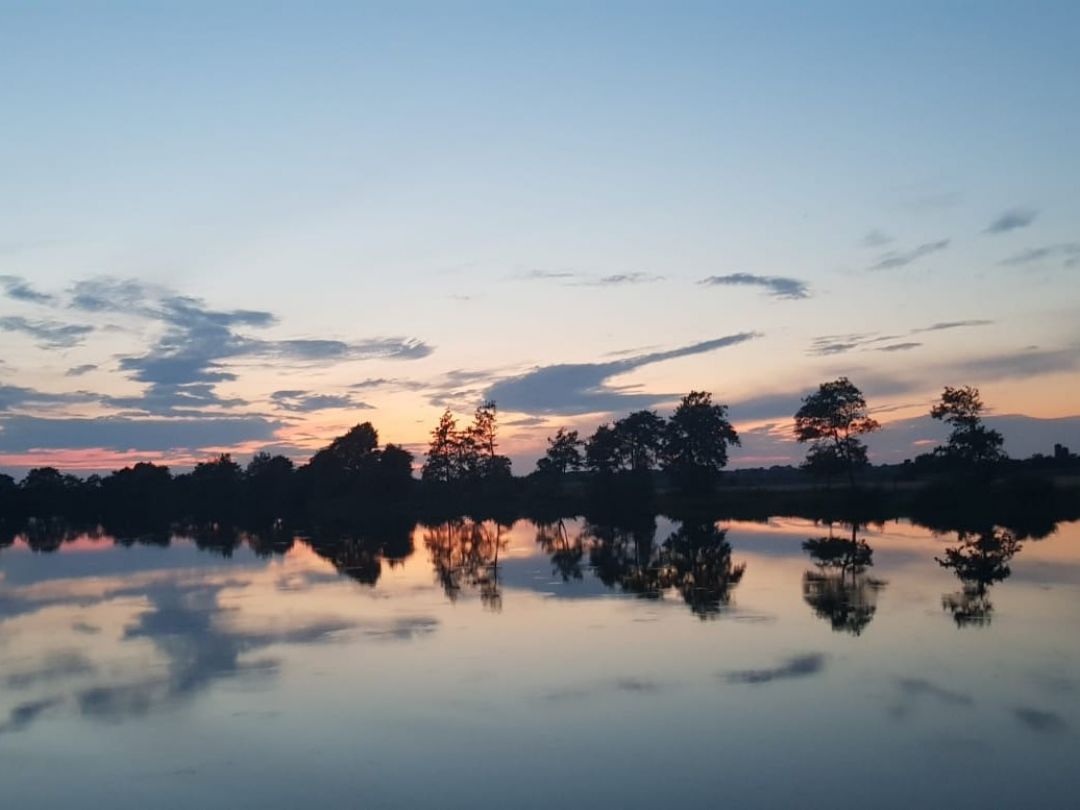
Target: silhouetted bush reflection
979	560
840	590
465	556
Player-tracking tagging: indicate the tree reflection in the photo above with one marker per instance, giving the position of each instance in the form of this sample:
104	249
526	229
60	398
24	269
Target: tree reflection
47	536
696	561
981	559
216	538
465	555
275	541
840	590
360	552
566	554
623	556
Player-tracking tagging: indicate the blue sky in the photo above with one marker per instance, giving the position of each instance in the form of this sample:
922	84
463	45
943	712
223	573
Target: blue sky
278	206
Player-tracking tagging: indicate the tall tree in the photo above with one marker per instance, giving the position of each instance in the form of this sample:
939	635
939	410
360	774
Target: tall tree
640	437
696	439
602	450
443	462
563	453
835	416
971	443
481	442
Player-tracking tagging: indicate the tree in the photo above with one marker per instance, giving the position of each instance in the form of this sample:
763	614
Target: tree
215	486
981	559
640	438
835	416
268	480
602	450
480	458
696	439
442	465
823	461
840	590
353	454
563	453
971	443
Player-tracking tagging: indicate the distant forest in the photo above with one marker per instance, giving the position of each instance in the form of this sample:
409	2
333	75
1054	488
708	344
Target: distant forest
640	462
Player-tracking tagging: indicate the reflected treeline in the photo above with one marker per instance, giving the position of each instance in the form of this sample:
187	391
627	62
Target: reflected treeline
839	589
694	561
622	551
465	557
979	559
566	553
359	552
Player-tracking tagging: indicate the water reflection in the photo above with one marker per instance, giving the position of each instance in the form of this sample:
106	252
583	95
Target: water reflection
566	554
696	562
465	556
980	559
360	552
840	590
334	654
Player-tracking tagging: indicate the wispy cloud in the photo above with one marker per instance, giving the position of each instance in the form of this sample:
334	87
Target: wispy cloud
14	397
545	275
943	326
580	388
776	286
1066	252
78	371
48	334
25	433
187	362
1012	220
297	401
623	279
899	347
20	290
573	278
388	383
876	239
840	344
901	258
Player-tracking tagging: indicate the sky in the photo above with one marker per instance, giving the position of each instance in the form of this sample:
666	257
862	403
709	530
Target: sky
243	226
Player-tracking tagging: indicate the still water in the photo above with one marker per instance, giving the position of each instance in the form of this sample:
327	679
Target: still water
472	665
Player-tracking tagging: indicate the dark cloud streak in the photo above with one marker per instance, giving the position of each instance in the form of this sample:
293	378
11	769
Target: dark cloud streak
790	289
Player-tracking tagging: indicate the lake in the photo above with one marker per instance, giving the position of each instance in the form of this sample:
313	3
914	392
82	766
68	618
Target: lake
473	665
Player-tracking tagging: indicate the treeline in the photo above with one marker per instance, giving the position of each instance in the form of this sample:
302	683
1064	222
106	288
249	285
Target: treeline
353	473
622	465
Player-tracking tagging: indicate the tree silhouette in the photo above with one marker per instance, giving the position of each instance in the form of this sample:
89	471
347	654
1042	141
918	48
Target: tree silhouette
269	485
640	438
465	555
970	443
696	561
981	559
442	465
602	450
832	418
696	439
563	453
566	554
214	490
839	589
480	442
624	556
469	455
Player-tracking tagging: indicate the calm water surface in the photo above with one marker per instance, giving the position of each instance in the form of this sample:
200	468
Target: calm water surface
590	667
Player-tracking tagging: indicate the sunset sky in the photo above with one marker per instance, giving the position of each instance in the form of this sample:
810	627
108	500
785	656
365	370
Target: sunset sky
244	226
